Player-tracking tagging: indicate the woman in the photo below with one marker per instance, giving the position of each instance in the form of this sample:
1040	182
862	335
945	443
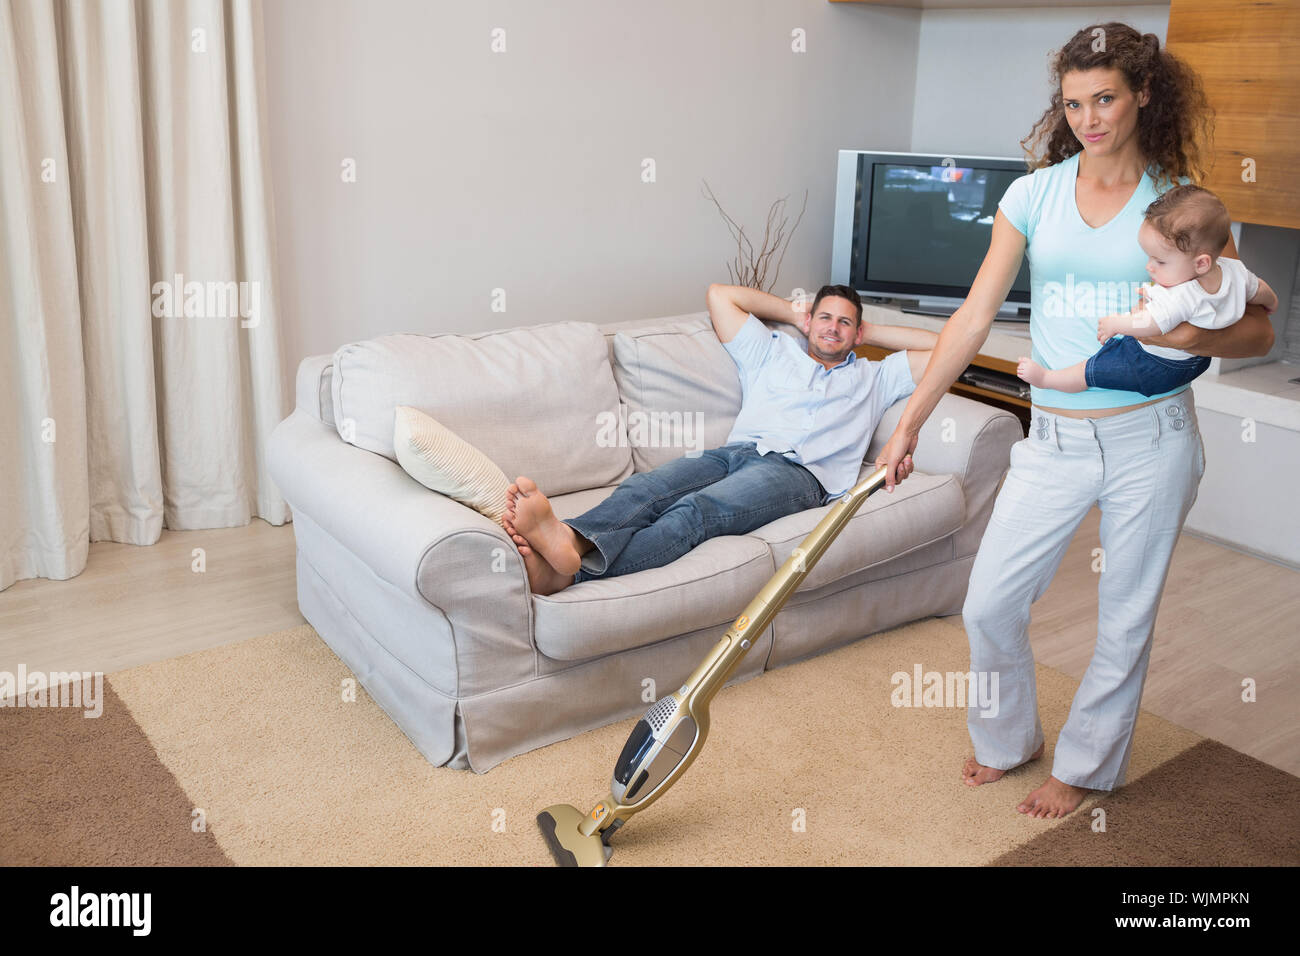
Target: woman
1126	122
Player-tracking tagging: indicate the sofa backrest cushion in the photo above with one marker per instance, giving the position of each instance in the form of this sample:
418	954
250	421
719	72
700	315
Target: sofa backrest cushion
680	386
536	400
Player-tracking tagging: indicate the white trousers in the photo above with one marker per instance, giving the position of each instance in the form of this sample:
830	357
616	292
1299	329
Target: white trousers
1143	469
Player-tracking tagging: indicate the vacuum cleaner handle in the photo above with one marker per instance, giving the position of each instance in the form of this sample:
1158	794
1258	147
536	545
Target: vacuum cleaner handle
716	668
666	741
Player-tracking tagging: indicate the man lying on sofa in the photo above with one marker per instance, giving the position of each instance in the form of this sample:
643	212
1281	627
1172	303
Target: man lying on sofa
806	419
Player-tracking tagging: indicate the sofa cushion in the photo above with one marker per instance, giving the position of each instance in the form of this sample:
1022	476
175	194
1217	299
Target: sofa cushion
707	587
922	509
492	389
606	615
680	386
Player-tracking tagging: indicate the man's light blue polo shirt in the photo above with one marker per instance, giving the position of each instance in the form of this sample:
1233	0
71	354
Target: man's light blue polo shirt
821	418
1077	274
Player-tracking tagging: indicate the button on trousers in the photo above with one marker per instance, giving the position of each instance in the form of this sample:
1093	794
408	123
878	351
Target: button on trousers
1143	468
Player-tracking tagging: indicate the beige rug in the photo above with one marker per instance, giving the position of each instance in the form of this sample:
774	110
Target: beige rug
247	754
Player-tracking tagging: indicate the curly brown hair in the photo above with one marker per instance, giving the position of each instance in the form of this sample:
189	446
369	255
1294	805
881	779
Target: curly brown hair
1175	128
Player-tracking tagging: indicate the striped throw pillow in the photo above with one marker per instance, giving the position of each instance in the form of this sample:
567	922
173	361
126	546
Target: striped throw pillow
444	462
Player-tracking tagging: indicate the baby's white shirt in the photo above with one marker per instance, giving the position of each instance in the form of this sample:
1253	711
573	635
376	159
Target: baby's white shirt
1189	302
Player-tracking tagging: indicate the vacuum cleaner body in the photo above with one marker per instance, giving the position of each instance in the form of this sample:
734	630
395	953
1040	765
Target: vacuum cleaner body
671	734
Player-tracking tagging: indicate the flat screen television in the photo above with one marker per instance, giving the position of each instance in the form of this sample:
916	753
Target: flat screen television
915	227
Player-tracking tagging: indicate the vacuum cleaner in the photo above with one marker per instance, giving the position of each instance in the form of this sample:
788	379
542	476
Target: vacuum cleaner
671	734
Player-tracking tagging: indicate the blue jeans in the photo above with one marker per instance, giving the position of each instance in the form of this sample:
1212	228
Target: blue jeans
1143	468
1124	364
655	517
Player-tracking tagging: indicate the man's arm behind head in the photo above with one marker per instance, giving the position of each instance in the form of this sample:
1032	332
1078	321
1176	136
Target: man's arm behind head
730	306
896	337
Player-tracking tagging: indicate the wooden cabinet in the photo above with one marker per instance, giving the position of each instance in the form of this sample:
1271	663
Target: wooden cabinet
1247	53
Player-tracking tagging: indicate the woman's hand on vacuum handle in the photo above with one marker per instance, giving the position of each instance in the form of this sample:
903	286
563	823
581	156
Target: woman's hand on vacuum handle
896	457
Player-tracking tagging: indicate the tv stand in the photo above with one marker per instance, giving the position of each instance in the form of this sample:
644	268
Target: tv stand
944	310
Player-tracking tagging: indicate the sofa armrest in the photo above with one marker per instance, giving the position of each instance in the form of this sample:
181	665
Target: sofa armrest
965	438
312	388
430	548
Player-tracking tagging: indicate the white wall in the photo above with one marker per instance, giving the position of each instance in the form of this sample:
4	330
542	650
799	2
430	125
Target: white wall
522	170
982	75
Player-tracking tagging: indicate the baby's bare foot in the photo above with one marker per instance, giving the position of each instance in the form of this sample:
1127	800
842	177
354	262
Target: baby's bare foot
550	537
975	773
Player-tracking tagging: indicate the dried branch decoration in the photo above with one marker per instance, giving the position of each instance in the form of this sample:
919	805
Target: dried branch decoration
750	268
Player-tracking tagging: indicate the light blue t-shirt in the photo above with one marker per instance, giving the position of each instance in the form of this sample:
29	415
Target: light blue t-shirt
821	418
1077	274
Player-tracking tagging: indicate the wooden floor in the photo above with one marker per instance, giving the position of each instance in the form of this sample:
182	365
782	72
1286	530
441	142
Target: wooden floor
1225	617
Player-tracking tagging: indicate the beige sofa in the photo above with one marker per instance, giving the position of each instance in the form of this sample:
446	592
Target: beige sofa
427	601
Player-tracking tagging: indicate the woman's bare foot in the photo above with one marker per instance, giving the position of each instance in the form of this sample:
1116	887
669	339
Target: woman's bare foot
975	773
542	578
1053	799
530	514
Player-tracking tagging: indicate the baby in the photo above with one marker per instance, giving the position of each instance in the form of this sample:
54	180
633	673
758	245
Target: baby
1183	234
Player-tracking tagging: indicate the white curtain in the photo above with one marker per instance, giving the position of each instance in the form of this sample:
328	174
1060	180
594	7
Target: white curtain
134	203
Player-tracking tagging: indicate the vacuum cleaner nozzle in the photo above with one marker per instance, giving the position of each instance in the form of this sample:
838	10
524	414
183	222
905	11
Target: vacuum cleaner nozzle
568	844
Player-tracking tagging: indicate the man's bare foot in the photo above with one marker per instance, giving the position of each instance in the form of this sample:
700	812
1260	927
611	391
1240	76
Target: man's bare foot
542	578
530	514
1031	371
1052	799
975	773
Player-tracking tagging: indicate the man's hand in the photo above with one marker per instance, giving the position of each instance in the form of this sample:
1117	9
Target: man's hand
865	329
896	457
805	318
